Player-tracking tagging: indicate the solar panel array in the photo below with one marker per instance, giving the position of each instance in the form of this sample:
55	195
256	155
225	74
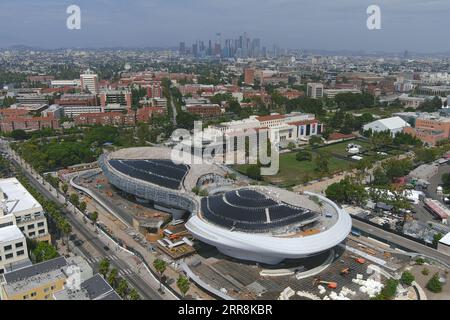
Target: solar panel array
249	210
160	172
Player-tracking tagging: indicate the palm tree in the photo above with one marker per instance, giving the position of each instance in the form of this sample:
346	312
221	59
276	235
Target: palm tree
134	295
183	285
160	266
66	229
112	278
104	267
122	288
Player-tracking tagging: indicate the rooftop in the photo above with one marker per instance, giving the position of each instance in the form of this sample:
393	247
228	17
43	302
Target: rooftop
18	199
10	233
27	278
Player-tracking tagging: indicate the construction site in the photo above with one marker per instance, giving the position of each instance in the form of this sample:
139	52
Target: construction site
347	272
155	226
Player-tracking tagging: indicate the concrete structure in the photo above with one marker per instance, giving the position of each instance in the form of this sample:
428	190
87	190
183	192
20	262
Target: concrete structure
411	102
444	244
28	213
278	241
121	97
94	288
291	226
315	90
89	81
13	249
394	125
72	111
65	83
331	93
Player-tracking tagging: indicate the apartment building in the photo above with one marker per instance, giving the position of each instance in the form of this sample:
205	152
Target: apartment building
28	213
28	123
13	249
36	282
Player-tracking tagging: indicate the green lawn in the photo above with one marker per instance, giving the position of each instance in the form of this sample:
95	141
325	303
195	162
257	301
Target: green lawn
293	172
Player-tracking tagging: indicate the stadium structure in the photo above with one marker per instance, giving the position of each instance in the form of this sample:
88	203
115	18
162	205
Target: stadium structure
256	223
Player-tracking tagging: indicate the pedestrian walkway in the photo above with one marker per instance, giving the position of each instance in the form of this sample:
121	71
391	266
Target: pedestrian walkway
98	259
125	272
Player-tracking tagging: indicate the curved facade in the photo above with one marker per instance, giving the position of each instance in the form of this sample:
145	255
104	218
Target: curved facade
262	224
145	190
269	248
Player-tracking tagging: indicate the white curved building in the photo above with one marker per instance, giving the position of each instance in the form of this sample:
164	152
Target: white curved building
262	224
285	226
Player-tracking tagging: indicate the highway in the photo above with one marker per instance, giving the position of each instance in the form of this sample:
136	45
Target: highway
403	242
87	235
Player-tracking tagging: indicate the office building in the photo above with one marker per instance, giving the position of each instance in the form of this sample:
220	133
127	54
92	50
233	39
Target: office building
315	90
89	82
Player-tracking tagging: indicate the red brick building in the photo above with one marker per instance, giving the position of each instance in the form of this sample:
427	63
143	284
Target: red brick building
28	123
204	110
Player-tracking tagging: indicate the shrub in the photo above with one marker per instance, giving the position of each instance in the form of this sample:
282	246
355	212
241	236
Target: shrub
407	278
434	285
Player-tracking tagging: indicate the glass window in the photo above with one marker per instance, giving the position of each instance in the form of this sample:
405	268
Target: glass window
19	245
7	248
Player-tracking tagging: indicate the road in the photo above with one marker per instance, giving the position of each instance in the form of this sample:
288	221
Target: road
403	242
91	238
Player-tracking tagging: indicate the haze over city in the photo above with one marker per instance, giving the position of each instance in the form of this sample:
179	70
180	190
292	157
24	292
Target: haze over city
412	25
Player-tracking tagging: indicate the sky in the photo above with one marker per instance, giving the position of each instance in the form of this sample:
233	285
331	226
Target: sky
414	25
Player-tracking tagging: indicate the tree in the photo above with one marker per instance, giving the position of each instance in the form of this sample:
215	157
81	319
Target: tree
407	278
134	295
434	285
19	135
74	199
347	191
315	140
104	267
436	238
254	172
446	180
291	145
389	290
66	230
65	188
303	156
122	288
112	278
44	252
94	217
83	206
322	163
160	266
183	285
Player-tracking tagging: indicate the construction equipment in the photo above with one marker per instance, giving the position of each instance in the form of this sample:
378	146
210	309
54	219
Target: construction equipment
359	259
345	271
330	285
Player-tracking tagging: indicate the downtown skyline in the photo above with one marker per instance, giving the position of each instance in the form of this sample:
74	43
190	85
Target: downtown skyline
323	25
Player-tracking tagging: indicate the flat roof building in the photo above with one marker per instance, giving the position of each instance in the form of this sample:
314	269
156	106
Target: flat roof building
28	213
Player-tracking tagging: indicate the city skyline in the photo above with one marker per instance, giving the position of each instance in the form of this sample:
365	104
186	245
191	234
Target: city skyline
288	24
